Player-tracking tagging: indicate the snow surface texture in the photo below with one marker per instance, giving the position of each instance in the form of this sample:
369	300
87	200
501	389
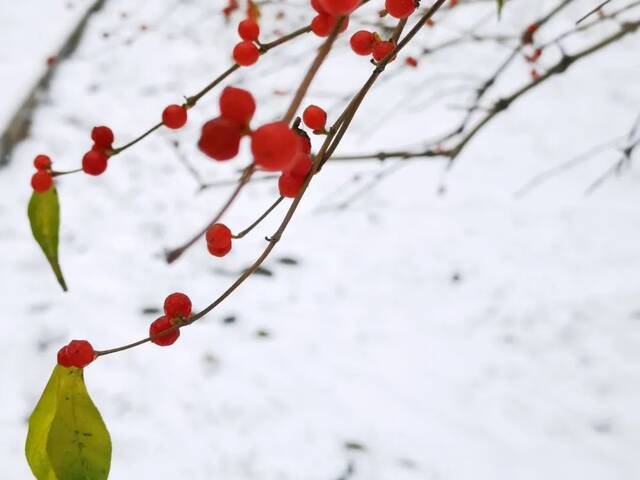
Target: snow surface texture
466	335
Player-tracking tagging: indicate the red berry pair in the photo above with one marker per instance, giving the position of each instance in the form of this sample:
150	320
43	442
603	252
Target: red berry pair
220	137
42	181
78	353
364	42
177	307
328	13
95	160
218	240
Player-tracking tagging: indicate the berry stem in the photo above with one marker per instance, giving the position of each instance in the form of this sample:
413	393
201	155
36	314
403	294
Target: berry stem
259	219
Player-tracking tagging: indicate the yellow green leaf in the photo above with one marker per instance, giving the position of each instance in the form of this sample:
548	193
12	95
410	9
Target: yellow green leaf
44	216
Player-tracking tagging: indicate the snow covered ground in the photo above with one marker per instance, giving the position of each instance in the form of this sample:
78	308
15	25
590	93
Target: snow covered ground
464	335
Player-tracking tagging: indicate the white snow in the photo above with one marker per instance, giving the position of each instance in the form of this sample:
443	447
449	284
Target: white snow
527	367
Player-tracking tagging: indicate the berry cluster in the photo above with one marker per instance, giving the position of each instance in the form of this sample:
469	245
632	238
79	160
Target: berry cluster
41	181
177	308
95	160
328	14
77	353
246	52
364	42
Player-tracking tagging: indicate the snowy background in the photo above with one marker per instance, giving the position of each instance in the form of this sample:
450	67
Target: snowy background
466	334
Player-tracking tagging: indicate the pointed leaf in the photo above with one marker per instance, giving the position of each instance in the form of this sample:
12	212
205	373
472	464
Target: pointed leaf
67	437
44	215
79	446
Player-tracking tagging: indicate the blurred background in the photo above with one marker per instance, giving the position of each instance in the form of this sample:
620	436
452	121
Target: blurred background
420	319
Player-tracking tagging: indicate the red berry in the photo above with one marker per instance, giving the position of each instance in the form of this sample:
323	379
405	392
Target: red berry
249	30
63	357
42	162
220	138
218	236
339	7
304	141
237	104
274	146
94	162
400	8
160	325
323	24
302	165
290	185
41	181
315	4
362	42
314	117
412	62
382	49
177	305
218	252
102	137
174	116
79	353
245	53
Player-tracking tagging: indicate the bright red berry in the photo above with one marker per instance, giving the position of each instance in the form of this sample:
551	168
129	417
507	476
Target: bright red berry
78	353
245	53
249	30
177	305
290	185
400	8
304	141
102	137
274	146
314	117
161	325
411	61
302	165
382	49
323	24
218	252
41	181
94	162
362	42
42	162
339	7
237	104
218	236
174	116
220	138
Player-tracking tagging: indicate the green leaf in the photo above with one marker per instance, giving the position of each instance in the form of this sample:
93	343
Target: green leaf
500	5
67	437
44	216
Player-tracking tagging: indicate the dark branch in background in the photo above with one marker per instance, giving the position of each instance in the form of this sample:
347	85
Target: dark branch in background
18	127
595	10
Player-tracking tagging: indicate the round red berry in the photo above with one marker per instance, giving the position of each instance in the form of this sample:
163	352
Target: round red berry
177	305
314	117
382	49
245	53
249	30
41	181
323	24
174	116
362	42
161	325
218	236
78	353
339	7
94	162
237	104
274	146
42	162
220	138
218	252
102	137
290	185
400	8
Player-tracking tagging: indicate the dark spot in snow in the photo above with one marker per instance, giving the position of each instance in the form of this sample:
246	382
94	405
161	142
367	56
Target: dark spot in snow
262	333
353	445
229	319
602	426
150	311
263	271
288	261
407	463
456	277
